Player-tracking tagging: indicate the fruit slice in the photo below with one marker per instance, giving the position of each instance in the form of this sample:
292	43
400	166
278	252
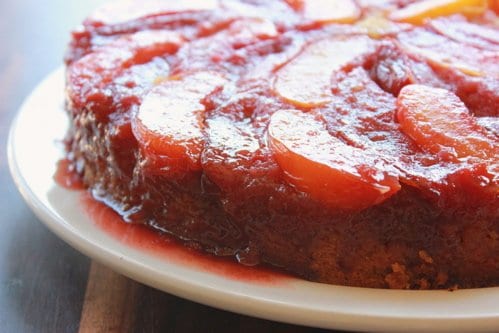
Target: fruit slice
231	153
90	77
467	33
440	123
443	53
418	12
339	175
169	122
122	11
471	71
327	11
305	81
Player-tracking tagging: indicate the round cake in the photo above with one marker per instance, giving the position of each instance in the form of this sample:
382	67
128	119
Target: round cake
347	142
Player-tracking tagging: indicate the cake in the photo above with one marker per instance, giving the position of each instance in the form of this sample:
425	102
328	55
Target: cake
347	142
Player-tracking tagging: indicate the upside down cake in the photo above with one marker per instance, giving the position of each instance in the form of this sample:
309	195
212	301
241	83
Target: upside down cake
348	142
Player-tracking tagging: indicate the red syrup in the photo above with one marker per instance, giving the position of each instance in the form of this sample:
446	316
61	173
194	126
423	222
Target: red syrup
67	177
161	244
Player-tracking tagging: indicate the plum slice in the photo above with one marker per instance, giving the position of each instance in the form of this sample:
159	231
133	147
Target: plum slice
332	172
169	123
305	81
418	12
440	123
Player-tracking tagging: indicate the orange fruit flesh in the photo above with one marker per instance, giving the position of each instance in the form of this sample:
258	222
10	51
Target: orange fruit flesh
170	121
418	12
314	66
325	167
440	123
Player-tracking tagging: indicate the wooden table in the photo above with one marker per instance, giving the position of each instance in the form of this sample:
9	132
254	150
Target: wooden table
45	285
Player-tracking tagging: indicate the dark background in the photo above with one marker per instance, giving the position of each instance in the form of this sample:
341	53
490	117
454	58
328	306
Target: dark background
45	285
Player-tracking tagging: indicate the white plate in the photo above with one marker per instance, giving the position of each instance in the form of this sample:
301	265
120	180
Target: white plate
33	153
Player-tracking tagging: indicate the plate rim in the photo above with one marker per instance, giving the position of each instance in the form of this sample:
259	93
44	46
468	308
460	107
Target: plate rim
253	306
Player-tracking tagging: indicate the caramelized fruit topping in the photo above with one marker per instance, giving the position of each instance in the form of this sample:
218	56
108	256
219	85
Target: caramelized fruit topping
306	80
169	122
322	165
440	123
418	12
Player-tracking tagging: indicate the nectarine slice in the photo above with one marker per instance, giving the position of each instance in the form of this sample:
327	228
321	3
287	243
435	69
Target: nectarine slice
443	53
418	12
332	172
170	122
305	81
439	122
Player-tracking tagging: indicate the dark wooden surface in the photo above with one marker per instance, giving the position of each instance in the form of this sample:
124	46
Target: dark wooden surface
45	285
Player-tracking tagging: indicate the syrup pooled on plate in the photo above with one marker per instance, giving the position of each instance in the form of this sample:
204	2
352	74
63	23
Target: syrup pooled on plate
161	244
